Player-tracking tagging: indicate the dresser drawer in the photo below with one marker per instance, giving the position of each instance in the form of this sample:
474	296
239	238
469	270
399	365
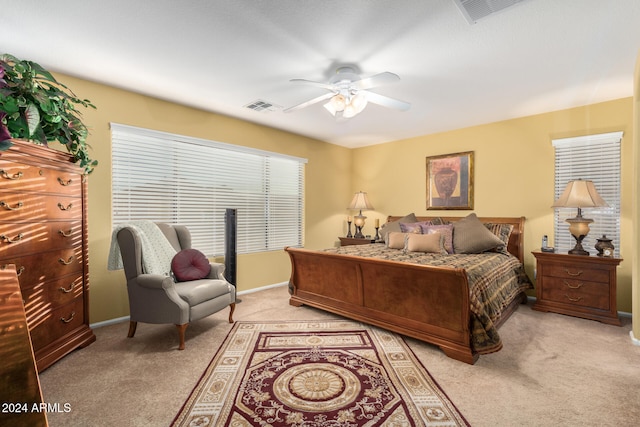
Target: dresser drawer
16	206
25	238
578	271
27	178
576	292
45	266
50	324
50	295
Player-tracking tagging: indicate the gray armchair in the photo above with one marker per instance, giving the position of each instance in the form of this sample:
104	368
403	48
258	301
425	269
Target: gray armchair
155	298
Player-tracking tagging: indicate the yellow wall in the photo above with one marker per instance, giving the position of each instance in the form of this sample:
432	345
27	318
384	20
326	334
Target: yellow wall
514	172
636	203
327	183
514	176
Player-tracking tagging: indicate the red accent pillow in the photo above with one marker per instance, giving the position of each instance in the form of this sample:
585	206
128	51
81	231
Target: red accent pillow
190	264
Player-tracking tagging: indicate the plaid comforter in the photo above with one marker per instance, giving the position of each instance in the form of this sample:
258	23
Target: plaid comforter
495	279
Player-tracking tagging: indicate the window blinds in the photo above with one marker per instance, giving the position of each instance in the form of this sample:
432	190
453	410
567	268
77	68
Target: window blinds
188	181
595	158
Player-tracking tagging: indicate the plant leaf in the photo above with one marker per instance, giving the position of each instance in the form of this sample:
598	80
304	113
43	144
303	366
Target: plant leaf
32	115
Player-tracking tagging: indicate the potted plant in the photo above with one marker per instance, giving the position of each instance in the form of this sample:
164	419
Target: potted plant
34	106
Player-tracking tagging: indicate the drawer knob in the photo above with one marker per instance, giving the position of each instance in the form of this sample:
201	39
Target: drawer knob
66	290
63	182
68	319
11	208
63	234
19	271
566	270
572	299
6	175
63	208
67	262
570	286
10	240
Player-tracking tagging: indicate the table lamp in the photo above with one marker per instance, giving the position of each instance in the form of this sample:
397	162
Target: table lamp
359	202
579	194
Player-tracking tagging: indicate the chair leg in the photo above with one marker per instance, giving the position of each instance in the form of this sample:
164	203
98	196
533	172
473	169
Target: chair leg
132	329
232	306
181	331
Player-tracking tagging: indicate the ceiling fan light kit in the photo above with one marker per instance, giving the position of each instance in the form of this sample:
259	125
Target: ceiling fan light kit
349	94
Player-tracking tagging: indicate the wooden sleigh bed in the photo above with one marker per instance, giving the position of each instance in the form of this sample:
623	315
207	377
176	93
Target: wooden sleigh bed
430	303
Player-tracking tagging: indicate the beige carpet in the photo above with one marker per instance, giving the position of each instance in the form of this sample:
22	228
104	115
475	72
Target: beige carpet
316	374
554	370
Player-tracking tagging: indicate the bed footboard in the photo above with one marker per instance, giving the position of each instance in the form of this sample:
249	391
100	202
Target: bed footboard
423	302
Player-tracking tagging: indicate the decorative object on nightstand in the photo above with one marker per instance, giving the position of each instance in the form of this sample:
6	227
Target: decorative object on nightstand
377	238
359	202
577	286
349	227
604	247
579	194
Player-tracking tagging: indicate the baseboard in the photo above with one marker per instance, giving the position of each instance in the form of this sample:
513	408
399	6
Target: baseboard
634	340
126	318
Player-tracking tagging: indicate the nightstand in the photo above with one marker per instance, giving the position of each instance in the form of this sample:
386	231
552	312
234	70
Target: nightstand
346	241
577	285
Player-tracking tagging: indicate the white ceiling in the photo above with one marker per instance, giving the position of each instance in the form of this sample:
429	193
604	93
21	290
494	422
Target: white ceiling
220	55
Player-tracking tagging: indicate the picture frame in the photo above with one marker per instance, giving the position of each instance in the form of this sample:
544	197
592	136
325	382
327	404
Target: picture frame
450	181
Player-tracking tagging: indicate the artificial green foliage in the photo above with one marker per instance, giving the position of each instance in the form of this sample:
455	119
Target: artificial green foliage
38	108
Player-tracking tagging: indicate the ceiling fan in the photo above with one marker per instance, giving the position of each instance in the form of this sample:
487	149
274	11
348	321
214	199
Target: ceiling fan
348	94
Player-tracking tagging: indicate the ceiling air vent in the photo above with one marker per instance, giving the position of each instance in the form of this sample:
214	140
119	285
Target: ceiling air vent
262	106
474	10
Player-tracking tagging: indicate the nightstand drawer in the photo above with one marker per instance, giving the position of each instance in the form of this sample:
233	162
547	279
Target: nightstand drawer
577	292
577	272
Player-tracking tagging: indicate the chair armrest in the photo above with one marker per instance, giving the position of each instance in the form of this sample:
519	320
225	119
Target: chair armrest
217	271
154	281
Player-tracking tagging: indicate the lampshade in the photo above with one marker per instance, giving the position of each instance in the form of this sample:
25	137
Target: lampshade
360	201
579	194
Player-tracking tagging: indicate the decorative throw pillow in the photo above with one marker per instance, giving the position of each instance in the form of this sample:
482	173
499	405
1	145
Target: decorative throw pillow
395	225
445	230
503	231
190	264
413	227
396	240
431	243
470	236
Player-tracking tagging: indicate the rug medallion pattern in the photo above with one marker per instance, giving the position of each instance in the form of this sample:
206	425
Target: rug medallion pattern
329	373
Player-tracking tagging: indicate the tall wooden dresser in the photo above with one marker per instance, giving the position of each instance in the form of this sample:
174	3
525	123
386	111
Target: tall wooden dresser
43	231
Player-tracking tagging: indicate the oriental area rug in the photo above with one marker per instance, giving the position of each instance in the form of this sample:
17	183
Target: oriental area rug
321	373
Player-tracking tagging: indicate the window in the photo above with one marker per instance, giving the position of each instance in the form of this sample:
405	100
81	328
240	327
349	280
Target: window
181	180
595	158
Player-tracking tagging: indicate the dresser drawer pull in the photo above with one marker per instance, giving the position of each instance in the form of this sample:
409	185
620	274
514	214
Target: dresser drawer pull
63	182
63	208
67	290
570	286
6	175
10	240
63	234
69	261
69	319
572	299
566	270
11	208
19	271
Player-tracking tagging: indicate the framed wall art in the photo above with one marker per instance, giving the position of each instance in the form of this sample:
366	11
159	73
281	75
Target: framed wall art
450	181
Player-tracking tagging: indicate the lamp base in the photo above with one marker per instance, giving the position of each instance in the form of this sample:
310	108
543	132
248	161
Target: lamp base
358	234
578	249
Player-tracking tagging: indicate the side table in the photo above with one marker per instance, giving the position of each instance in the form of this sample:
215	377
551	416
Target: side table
577	285
346	241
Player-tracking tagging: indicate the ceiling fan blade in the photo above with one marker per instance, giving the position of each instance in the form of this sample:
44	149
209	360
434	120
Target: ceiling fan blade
327	86
376	80
310	102
385	101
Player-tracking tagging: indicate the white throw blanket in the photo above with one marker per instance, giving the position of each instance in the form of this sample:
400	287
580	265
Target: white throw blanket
157	252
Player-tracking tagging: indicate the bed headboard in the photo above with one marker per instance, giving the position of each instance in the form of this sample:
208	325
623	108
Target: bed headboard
516	240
